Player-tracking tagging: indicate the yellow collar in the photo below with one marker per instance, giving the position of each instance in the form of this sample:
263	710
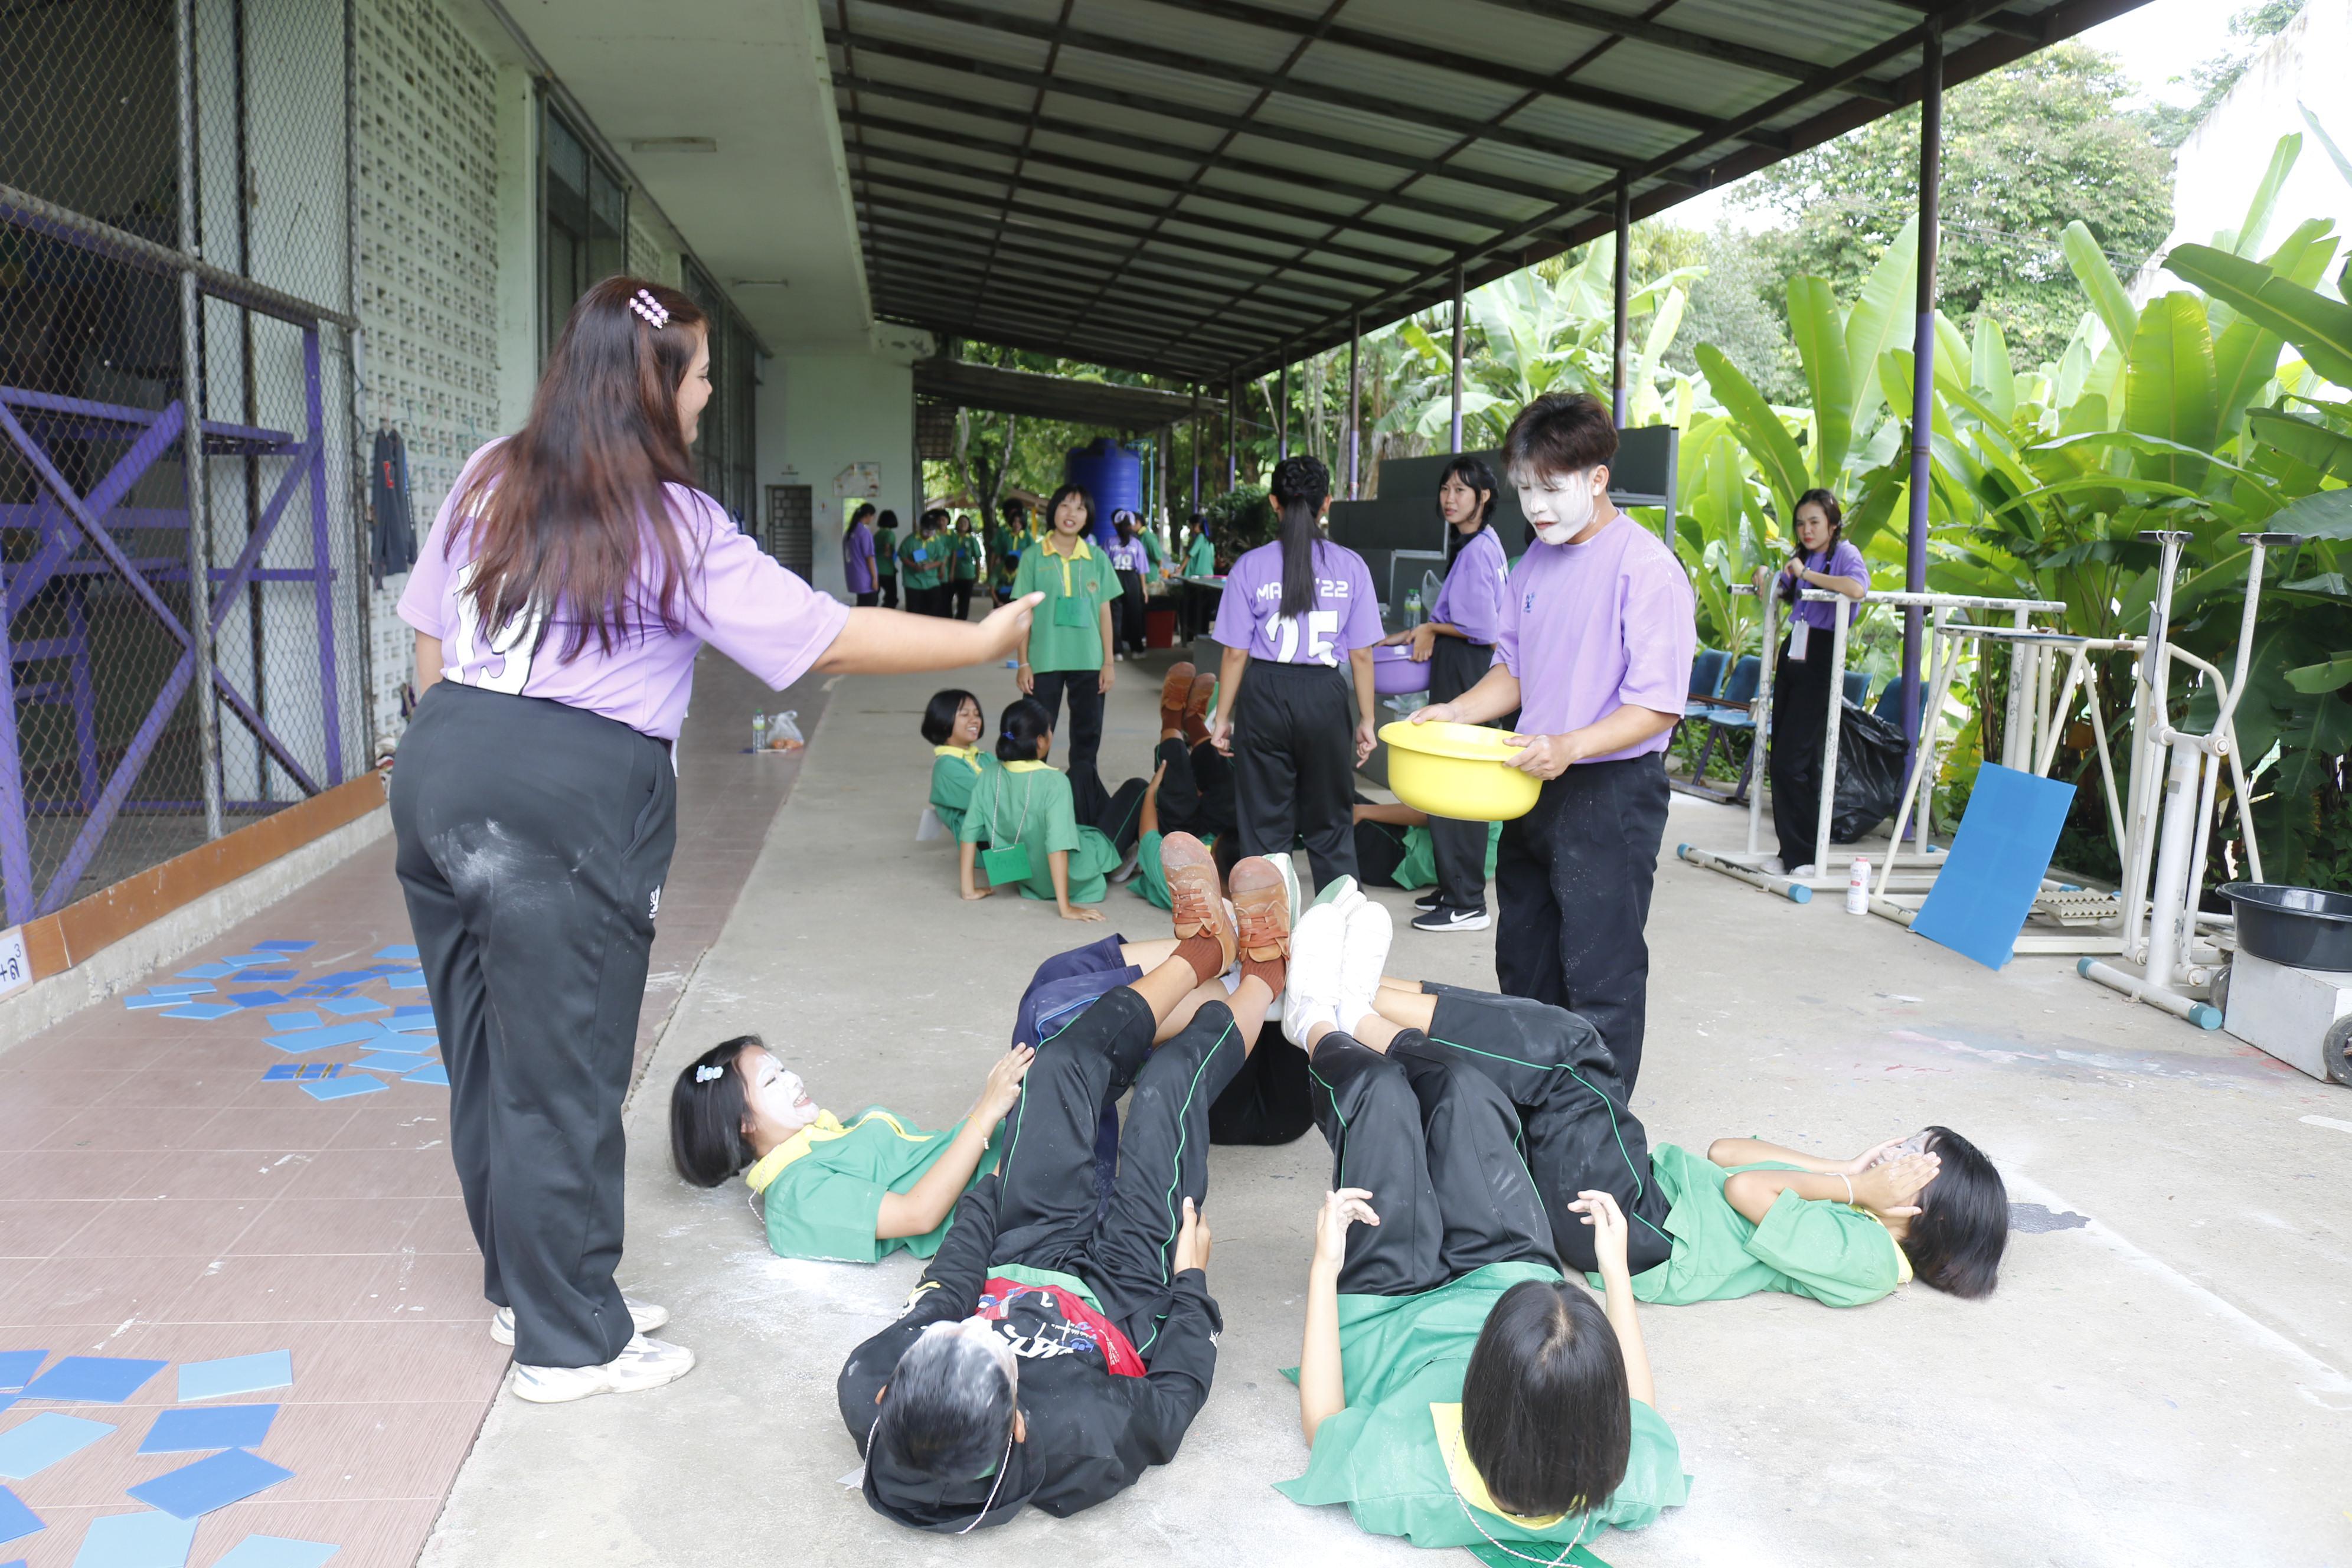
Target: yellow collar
969	753
1024	767
1080	553
1468	1484
1902	1259
771	1165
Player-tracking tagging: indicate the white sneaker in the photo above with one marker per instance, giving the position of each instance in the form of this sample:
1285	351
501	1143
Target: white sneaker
1291	899
1362	960
644	1315
1317	945
1804	872
1775	867
642	1363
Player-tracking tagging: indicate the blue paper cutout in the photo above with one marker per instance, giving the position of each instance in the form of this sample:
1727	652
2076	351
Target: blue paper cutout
194	1490
202	1011
392	1061
273	975
147	1540
283	946
27	1450
208	971
236	1374
209	1426
136	1003
17	1367
300	1042
348	1006
342	1087
276	1551
437	1075
182	988
285	1023
413	980
406	953
93	1379
15	1519
256	999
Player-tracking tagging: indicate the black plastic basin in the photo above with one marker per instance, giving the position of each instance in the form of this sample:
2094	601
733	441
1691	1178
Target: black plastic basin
2298	926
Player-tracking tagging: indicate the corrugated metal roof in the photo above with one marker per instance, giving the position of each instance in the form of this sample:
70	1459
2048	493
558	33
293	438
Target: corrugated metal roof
1208	188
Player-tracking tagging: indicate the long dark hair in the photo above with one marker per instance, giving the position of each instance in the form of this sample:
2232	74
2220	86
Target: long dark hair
1025	723
1474	473
562	509
706	1114
864	509
1301	485
1956	1240
1830	508
1545	1411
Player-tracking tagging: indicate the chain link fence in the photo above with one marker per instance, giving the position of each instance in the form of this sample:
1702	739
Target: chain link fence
184	633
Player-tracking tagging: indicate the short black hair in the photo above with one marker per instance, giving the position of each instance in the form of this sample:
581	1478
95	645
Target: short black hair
1026	721
1054	507
1546	1415
1560	433
948	1412
1956	1240
940	713
706	1114
888	520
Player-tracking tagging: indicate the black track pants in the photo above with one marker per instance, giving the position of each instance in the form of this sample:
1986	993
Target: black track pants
1084	737
1196	794
1047	1213
1295	764
890	594
1459	847
1437	1144
1573	878
533	839
1800	719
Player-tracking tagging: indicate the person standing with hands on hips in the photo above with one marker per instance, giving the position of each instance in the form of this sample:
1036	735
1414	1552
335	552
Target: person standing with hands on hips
1801	679
1070	643
572	576
1293	609
1457	643
1594	650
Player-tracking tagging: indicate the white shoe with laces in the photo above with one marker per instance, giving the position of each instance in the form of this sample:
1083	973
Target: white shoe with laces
1775	867
1805	872
642	1363
644	1316
1362	959
1312	991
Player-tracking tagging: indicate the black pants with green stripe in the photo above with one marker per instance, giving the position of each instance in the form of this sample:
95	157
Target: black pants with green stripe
1046	1207
1515	1107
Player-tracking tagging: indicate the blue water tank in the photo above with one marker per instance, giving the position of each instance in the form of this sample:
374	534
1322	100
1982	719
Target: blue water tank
1112	477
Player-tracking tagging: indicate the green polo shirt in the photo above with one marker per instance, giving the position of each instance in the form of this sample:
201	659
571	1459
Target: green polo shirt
1833	1252
821	1190
1419	867
1066	632
955	770
886	552
1030	805
1200	558
967	558
923	560
1004	555
1394	1455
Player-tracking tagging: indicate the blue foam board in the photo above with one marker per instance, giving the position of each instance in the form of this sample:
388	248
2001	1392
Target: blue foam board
257	976
1987	882
299	1042
412	980
246	958
276	1551
235	1375
93	1379
350	1006
17	1367
406	953
15	1519
285	1023
256	999
136	1003
27	1450
392	1061
414	1010
202	1011
435	1075
209	1426
194	1490
147	1540
209	972
182	988
342	1087
283	946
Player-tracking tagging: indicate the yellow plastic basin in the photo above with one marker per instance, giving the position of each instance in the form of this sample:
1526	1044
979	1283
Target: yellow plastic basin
1458	771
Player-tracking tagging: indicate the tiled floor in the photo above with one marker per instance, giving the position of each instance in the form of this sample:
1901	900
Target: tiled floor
158	1200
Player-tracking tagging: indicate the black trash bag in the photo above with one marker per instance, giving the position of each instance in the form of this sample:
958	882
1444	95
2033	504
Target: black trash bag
1870	774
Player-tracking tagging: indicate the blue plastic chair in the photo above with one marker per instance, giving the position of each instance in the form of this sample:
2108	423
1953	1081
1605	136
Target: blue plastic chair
1723	714
1857	686
1707	679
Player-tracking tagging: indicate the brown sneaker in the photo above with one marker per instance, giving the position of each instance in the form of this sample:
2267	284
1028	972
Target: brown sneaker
1205	937
1173	693
1262	909
1197	703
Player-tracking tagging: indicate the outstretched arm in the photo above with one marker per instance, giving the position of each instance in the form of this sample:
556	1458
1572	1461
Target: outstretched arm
891	642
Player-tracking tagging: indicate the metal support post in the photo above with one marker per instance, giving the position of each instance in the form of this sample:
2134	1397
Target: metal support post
192	439
1923	364
1233	410
1282	411
1620	365
1457	359
1355	405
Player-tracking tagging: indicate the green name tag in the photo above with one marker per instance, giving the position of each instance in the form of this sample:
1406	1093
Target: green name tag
1069	613
1010	864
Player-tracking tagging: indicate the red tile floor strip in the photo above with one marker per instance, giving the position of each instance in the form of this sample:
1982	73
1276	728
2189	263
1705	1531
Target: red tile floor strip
158	1199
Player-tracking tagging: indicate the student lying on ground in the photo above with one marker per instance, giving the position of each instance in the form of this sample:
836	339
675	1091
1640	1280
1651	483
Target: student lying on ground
1054	1352
848	1192
1747	1216
952	724
1025	810
1192	788
1456	1387
1394	849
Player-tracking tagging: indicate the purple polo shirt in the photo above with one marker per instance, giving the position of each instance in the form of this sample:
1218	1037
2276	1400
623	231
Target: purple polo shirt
1129	556
735	597
1346	614
858	560
1589	628
1472	599
1845	561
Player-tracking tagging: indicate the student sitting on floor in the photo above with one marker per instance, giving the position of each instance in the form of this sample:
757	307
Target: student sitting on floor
1394	849
848	1192
952	724
1456	1387
1054	1351
1026	811
1192	788
1746	1216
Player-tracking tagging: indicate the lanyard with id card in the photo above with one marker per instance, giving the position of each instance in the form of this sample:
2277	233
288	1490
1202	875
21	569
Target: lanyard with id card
1798	632
1070	612
1011	862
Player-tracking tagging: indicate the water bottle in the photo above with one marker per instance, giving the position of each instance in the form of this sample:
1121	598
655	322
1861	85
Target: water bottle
1857	886
1413	609
759	732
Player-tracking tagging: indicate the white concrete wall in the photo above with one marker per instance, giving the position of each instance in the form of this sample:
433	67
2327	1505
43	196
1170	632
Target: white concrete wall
823	412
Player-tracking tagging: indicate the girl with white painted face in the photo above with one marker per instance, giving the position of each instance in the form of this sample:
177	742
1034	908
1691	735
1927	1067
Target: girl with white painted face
850	1192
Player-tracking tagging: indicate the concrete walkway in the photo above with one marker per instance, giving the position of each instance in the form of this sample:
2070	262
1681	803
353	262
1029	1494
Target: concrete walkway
2159	1378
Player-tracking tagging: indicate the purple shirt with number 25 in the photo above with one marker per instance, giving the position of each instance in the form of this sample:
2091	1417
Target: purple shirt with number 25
1346	615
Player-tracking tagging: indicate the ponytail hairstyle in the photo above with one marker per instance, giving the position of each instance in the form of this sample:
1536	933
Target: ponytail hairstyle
1026	721
565	510
1474	473
706	1141
939	715
1301	485
1830	508
864	509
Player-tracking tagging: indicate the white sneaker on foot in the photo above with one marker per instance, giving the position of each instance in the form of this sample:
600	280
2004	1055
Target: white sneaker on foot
643	1315
1775	867
1805	872
1362	960
1312	990
642	1363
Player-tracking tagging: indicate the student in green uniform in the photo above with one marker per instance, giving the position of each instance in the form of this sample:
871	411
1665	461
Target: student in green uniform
953	722
922	564
1070	635
1028	805
1454	1386
842	1192
886	557
1006	537
1393	850
965	547
1198	599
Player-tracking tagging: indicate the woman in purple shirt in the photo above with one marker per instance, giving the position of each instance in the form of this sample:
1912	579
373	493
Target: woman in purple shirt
857	556
568	583
1801	680
1292	610
1457	643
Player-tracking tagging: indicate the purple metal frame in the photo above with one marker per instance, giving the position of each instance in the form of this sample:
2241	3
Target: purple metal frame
65	523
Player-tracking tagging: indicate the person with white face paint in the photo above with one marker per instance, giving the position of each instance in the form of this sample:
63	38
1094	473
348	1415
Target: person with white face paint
1599	627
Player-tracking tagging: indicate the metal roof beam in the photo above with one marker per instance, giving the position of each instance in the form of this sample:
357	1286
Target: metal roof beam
1642	30
2014	23
1040	301
915	291
964	327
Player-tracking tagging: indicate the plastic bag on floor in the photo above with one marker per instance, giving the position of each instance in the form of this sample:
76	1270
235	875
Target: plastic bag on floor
784	735
1869	773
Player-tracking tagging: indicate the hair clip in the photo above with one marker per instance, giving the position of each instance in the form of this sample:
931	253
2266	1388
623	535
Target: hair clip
709	1073
647	306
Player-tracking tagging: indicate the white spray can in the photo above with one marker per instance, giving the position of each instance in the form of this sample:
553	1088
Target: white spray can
1857	886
